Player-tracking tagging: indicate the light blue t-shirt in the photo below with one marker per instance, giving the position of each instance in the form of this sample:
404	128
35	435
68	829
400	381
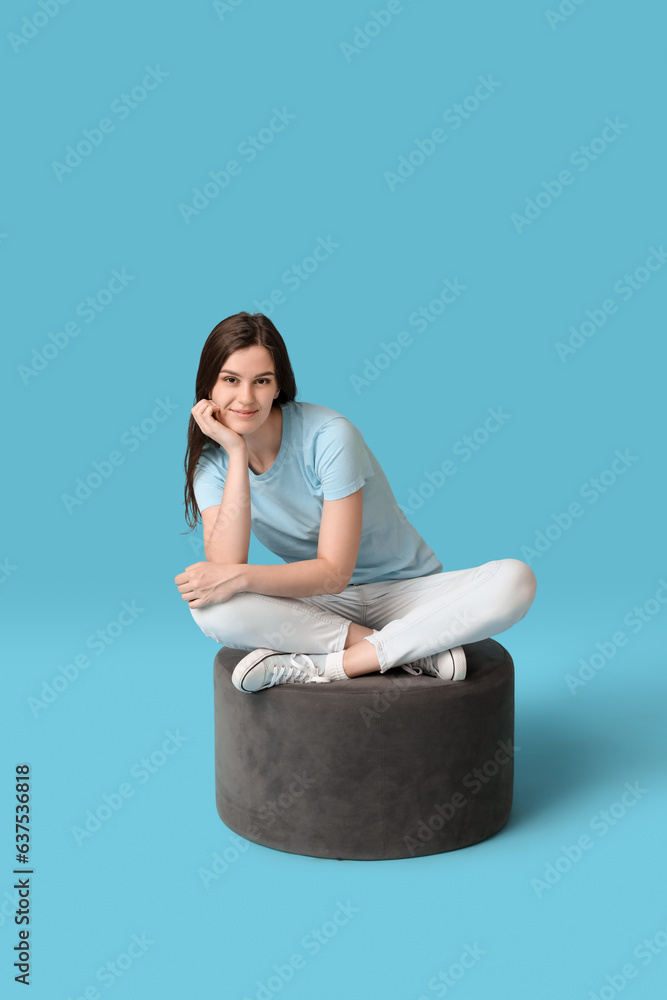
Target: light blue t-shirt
322	456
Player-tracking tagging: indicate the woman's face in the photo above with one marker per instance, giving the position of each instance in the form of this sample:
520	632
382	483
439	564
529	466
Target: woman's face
246	382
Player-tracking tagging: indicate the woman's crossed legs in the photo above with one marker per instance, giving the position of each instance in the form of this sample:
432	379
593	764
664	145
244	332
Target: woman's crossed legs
379	625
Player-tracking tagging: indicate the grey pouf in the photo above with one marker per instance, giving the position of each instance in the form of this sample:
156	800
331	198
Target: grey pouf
378	767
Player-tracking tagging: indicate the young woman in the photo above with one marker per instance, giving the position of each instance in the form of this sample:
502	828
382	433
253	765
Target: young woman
359	589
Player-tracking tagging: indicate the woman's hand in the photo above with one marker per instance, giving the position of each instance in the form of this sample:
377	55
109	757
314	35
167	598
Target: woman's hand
207	415
209	583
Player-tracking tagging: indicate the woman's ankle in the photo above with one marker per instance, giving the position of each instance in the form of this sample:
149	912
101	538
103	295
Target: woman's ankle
361	658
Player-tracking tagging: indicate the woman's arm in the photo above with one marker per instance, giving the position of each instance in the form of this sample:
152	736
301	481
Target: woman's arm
337	548
330	572
227	528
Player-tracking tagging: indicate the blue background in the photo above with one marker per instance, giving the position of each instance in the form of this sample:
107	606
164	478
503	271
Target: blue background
67	569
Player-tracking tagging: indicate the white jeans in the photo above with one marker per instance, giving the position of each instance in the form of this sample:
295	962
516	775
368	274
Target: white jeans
426	614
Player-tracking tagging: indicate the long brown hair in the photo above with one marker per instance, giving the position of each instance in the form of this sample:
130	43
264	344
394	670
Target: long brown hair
232	334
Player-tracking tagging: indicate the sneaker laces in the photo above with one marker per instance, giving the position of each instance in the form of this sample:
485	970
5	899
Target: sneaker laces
424	665
295	672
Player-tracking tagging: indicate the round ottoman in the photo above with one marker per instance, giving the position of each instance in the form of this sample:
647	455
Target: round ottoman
379	767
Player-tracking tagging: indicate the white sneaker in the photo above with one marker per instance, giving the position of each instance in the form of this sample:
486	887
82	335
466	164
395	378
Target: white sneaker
262	668
450	665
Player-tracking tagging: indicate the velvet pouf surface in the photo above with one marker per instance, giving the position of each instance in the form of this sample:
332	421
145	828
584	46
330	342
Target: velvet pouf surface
378	767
